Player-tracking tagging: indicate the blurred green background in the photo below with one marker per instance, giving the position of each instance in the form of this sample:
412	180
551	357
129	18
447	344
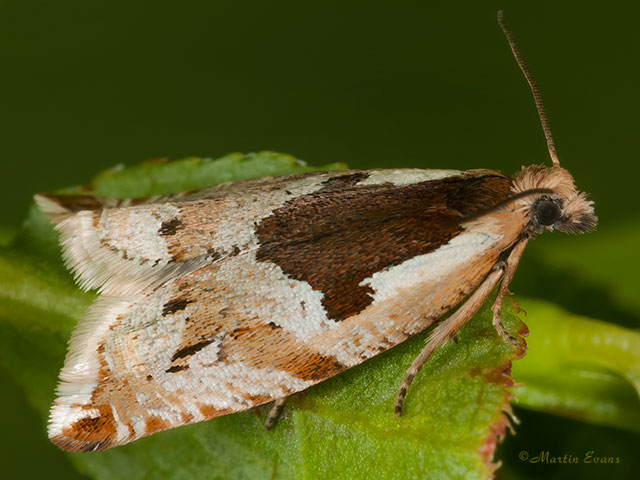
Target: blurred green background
88	85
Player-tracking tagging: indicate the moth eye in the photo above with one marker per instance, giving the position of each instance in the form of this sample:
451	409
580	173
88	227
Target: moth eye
547	212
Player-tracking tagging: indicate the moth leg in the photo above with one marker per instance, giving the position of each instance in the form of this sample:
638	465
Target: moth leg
448	329
510	268
518	308
274	413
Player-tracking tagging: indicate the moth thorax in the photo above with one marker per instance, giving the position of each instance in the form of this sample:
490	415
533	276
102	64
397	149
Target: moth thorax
564	208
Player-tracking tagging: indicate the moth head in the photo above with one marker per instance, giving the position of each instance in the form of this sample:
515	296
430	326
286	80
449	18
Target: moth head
564	208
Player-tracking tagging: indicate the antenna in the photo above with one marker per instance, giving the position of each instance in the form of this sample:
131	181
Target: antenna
534	89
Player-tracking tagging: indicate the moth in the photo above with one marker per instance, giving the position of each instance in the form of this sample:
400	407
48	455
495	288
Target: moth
217	300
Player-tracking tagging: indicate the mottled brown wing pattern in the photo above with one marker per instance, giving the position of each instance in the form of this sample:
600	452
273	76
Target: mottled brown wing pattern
125	246
320	282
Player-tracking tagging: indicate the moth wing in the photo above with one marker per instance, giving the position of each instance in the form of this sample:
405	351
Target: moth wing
126	246
248	329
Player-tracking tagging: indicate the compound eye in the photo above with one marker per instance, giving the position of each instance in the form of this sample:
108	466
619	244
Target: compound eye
547	212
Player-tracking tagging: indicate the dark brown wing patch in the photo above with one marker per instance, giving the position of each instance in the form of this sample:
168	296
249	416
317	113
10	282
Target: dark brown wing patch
340	235
76	203
175	305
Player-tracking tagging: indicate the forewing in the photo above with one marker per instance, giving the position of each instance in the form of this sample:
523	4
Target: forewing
127	246
335	276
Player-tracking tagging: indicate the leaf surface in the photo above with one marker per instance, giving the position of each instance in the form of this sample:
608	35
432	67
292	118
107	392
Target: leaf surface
579	367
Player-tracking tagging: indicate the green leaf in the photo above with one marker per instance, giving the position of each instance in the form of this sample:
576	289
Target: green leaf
6	235
595	274
580	367
343	428
161	177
